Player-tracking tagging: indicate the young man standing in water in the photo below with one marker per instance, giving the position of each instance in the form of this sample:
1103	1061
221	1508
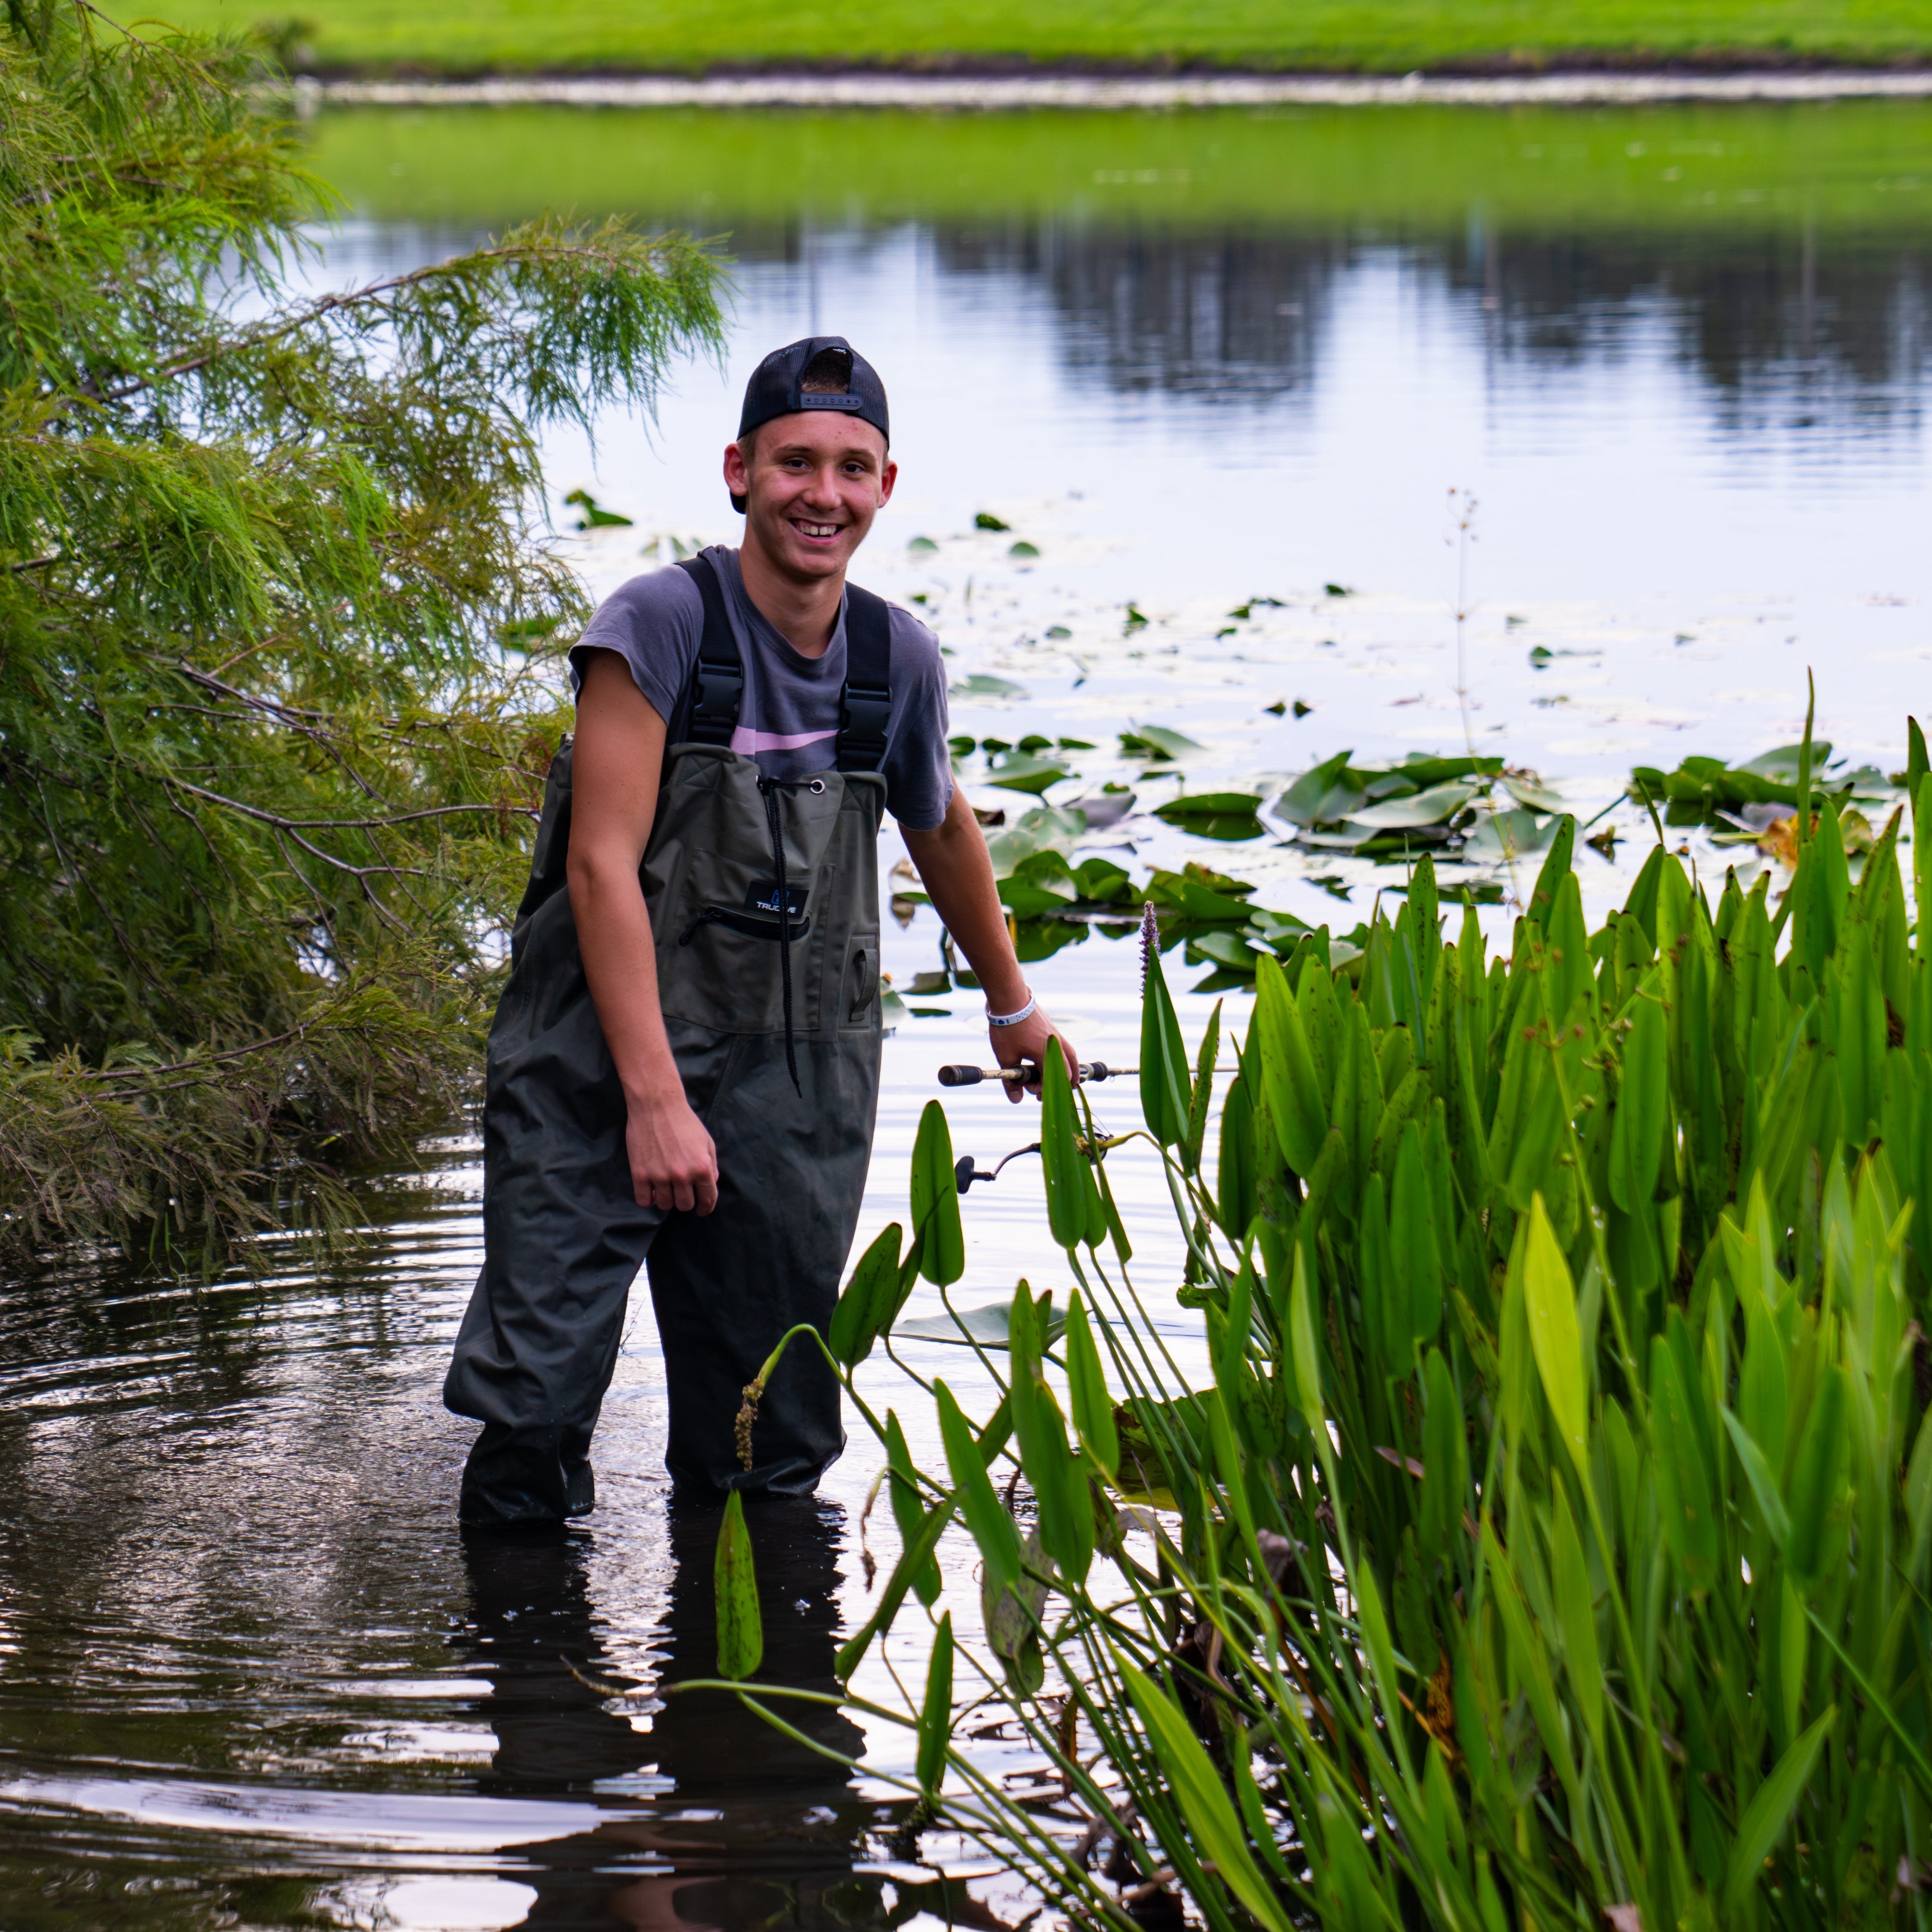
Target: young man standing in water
684	1069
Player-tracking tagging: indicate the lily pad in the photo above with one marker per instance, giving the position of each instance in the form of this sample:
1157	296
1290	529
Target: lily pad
1023	771
986	1325
1023	551
923	547
1156	742
1527	791
1043	827
1701	788
1507	835
983	684
1435	806
1104	809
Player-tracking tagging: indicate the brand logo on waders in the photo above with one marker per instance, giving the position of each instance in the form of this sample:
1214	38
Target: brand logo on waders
764	898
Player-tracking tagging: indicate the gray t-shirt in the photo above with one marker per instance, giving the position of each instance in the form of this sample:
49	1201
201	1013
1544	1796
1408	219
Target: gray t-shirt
788	719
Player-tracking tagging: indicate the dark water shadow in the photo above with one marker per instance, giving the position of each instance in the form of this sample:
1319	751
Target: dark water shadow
757	1828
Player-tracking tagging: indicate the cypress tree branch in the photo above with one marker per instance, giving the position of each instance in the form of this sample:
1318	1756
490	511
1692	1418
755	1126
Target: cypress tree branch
258	578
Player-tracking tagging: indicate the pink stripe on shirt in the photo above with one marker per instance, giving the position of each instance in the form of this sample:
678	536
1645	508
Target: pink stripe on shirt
748	743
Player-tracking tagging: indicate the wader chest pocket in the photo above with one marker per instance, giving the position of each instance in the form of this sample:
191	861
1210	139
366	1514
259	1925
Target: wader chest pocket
760	919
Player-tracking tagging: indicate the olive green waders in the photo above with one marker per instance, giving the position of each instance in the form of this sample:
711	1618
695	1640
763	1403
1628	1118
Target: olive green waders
764	904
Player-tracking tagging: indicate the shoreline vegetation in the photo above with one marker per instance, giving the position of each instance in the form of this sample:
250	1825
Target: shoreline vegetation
1549	1544
1073	37
276	620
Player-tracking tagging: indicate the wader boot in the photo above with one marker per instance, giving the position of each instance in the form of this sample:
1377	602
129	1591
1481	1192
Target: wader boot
764	904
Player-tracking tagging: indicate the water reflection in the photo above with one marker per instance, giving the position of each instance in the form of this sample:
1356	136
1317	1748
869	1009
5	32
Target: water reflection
758	1828
1841	327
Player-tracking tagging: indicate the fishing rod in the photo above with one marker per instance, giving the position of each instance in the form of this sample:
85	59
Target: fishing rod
1027	1073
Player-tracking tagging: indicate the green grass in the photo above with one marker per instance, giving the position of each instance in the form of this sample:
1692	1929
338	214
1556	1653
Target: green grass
1388	36
1845	168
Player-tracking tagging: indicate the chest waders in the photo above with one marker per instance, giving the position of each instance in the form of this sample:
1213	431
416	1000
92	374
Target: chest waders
764	904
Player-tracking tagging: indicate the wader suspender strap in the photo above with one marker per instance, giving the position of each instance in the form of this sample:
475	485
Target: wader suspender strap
717	688
866	703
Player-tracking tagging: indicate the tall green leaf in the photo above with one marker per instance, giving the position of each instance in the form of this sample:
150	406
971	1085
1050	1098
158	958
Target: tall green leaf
993	1527
1060	1486
741	1632
1569	1578
1203	1799
869	1300
1768	1813
908	1512
935	1717
1071	1194
1445	1459
935	1200
1288	1077
1087	1389
1165	1091
1549	1304
1818	1476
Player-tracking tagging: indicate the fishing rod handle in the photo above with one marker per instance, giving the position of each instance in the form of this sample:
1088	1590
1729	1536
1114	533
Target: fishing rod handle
971	1076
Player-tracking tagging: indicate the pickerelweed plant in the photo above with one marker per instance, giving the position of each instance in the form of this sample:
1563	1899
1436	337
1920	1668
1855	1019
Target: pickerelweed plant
1550	1548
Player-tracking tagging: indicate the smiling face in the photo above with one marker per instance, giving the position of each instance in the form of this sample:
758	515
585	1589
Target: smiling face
813	483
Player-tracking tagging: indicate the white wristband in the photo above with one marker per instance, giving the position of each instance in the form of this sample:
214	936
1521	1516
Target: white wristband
994	1019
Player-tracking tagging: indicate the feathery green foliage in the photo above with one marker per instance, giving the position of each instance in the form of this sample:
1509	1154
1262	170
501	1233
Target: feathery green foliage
1552	1548
278	620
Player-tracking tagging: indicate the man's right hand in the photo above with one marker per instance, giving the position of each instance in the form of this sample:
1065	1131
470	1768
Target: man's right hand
673	1160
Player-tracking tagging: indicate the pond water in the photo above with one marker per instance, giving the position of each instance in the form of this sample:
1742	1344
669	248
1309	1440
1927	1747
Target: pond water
249	1675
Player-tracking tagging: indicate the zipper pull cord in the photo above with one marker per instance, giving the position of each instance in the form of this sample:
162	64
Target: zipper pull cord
769	788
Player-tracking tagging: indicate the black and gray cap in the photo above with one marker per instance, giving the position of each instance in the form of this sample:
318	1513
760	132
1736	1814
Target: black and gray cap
822	372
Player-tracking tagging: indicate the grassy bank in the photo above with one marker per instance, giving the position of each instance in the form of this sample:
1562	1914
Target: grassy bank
1384	36
1861	167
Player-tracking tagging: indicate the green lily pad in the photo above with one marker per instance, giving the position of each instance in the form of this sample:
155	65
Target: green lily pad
1504	835
1156	742
1044	827
1022	771
1435	806
983	684
986	1325
923	547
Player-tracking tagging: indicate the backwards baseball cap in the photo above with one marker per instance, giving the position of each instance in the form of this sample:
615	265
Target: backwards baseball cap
822	372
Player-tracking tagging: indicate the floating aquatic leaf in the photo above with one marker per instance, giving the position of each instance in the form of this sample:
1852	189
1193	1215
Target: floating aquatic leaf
1043	827
1526	790
1435	806
1157	742
985	1325
984	684
1024	771
1103	809
986	521
923	547
1507	835
1702	789
1022	550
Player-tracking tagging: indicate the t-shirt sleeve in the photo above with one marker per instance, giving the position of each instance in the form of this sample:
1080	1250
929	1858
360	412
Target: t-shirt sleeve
918	766
654	623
